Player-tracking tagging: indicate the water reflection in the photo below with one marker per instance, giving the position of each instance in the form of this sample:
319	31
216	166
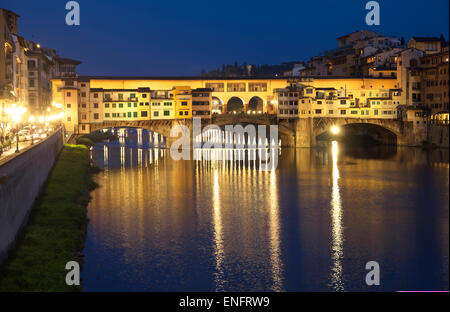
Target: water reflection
337	252
213	224
218	236
274	231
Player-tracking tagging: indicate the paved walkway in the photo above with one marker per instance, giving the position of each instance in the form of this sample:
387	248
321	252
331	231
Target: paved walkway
12	149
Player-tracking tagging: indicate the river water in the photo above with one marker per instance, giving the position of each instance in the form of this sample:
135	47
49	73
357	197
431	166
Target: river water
312	224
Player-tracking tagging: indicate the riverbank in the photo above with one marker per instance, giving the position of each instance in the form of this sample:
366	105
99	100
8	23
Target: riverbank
56	229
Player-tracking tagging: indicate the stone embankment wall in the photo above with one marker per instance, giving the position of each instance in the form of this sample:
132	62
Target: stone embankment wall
22	177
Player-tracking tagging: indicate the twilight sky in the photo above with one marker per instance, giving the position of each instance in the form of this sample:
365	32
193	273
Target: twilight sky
167	37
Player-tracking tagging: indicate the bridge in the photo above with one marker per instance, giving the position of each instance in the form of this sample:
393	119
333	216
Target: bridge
303	132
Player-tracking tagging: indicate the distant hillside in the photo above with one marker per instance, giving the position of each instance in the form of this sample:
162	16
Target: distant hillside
252	70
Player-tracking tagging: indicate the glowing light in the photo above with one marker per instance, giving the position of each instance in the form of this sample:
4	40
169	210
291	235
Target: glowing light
57	105
15	113
31	119
335	130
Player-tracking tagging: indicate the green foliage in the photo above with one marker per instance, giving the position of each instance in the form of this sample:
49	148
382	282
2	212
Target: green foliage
85	141
97	136
56	229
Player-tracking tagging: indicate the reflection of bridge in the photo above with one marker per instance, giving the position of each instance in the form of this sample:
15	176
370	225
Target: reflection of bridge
295	133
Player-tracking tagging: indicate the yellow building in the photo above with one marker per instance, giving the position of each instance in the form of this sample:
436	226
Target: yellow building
183	102
162	105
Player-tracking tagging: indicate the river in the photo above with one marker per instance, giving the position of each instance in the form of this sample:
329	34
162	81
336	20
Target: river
312	224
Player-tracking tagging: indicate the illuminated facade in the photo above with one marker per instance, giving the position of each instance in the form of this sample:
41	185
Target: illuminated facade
87	100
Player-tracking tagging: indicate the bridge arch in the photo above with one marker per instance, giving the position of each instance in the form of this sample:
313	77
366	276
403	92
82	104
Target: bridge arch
235	104
256	104
217	105
387	132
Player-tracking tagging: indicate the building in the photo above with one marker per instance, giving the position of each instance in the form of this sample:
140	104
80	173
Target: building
163	105
409	78
183	102
287	101
202	103
434	84
356	54
87	100
43	65
8	34
429	45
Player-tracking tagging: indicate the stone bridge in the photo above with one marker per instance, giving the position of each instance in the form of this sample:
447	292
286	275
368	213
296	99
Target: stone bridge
293	133
388	131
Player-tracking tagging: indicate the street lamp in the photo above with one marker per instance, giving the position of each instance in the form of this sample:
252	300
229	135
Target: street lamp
335	130
16	114
31	120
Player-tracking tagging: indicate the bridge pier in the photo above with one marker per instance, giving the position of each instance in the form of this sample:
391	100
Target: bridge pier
304	133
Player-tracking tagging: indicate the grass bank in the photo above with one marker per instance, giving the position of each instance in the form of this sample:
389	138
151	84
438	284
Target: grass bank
56	229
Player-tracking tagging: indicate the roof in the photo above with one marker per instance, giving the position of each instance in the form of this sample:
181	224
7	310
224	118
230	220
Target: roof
67	60
11	12
426	39
178	78
202	90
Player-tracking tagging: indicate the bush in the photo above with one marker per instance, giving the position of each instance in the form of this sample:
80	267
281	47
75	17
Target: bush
85	141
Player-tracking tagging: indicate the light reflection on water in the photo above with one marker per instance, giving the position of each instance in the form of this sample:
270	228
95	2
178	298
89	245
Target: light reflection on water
162	225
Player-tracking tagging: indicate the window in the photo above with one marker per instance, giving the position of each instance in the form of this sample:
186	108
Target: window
69	119
95	105
31	64
330	112
375	112
120	105
31	83
106	115
129	114
106	105
68	94
342	112
186	113
83	105
120	96
257	87
343	101
216	86
144	95
133	95
318	111
113	105
95	95
181	113
156	114
135	104
166	113
83	94
135	114
184	103
69	105
144	114
96	116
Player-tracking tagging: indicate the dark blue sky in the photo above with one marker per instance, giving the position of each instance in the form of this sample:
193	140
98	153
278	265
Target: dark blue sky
181	37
